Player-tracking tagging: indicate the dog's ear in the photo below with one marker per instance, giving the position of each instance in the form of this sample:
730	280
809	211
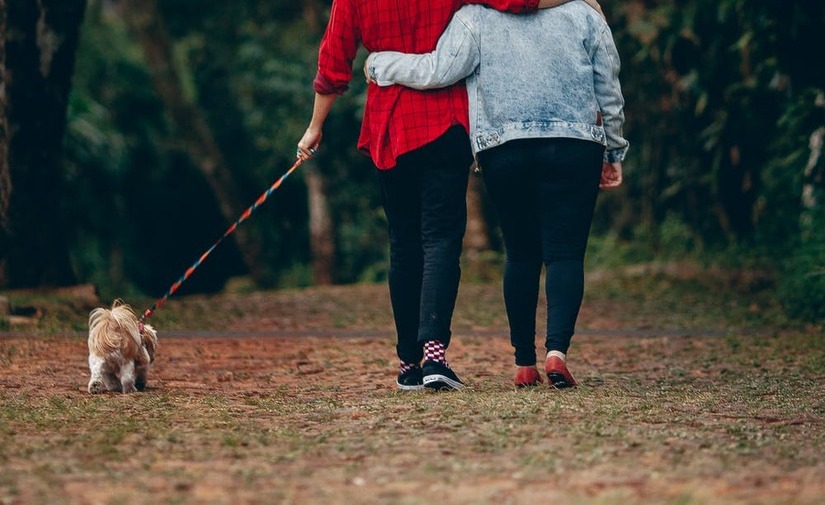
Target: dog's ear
96	316
104	332
150	340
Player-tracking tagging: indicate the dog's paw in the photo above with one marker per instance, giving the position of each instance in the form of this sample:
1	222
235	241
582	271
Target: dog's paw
97	387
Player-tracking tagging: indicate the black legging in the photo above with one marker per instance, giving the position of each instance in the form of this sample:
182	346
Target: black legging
544	192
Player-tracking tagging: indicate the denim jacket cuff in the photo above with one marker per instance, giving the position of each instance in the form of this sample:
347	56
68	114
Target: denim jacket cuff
615	155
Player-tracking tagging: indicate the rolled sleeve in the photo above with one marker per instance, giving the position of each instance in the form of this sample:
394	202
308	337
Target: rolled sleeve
338	49
324	86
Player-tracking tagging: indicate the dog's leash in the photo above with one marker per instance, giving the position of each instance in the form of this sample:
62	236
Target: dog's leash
248	212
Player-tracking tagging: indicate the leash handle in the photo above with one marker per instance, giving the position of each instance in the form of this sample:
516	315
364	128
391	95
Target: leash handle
243	217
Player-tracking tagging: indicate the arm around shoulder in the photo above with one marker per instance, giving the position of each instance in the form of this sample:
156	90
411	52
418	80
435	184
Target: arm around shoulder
514	6
595	5
455	57
547	4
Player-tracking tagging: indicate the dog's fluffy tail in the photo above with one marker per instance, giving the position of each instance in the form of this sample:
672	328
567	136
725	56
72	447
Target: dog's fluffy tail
115	329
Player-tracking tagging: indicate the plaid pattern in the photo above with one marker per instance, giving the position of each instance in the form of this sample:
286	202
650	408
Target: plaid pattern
397	120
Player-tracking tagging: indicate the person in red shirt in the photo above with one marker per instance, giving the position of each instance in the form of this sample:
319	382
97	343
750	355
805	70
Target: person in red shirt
418	141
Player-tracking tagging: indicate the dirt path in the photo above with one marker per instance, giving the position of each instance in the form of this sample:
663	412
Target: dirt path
288	397
280	418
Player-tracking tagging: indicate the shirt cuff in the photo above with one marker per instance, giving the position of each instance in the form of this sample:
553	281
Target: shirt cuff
323	86
615	155
371	66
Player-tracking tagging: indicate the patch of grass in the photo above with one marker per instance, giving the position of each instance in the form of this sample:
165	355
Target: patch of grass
7	354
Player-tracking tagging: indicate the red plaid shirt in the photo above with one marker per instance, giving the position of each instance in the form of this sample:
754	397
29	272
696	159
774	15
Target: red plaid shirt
397	120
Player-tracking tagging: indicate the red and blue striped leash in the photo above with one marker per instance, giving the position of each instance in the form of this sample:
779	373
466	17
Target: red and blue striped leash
243	217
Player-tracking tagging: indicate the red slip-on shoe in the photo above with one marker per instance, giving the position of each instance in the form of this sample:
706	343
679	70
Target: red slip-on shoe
527	376
558	375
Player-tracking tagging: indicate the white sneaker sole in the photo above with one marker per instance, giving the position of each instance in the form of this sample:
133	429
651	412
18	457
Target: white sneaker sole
446	381
417	387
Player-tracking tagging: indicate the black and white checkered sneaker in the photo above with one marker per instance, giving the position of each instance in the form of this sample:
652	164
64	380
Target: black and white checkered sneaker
440	377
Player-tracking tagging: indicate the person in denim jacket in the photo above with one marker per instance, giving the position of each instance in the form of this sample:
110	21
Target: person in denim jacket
546	114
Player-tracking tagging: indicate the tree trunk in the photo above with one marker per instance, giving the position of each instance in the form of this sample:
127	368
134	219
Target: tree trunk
321	229
145	22
476	239
40	45
813	180
5	177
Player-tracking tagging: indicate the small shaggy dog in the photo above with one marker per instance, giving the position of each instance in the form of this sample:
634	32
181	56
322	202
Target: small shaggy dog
121	349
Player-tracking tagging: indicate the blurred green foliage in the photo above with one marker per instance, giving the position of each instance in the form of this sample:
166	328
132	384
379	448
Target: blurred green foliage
722	99
146	213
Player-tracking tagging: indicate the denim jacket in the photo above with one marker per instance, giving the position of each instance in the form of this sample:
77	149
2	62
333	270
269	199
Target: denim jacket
550	74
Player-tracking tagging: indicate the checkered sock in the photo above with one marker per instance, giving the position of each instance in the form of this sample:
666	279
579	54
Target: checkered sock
406	367
435	350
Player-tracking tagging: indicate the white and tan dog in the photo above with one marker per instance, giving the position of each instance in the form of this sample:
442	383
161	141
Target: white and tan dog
120	350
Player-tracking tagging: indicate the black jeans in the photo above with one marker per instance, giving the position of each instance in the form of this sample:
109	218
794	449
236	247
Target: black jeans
544	192
424	199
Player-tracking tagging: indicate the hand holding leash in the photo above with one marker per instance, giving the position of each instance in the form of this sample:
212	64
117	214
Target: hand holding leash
308	145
